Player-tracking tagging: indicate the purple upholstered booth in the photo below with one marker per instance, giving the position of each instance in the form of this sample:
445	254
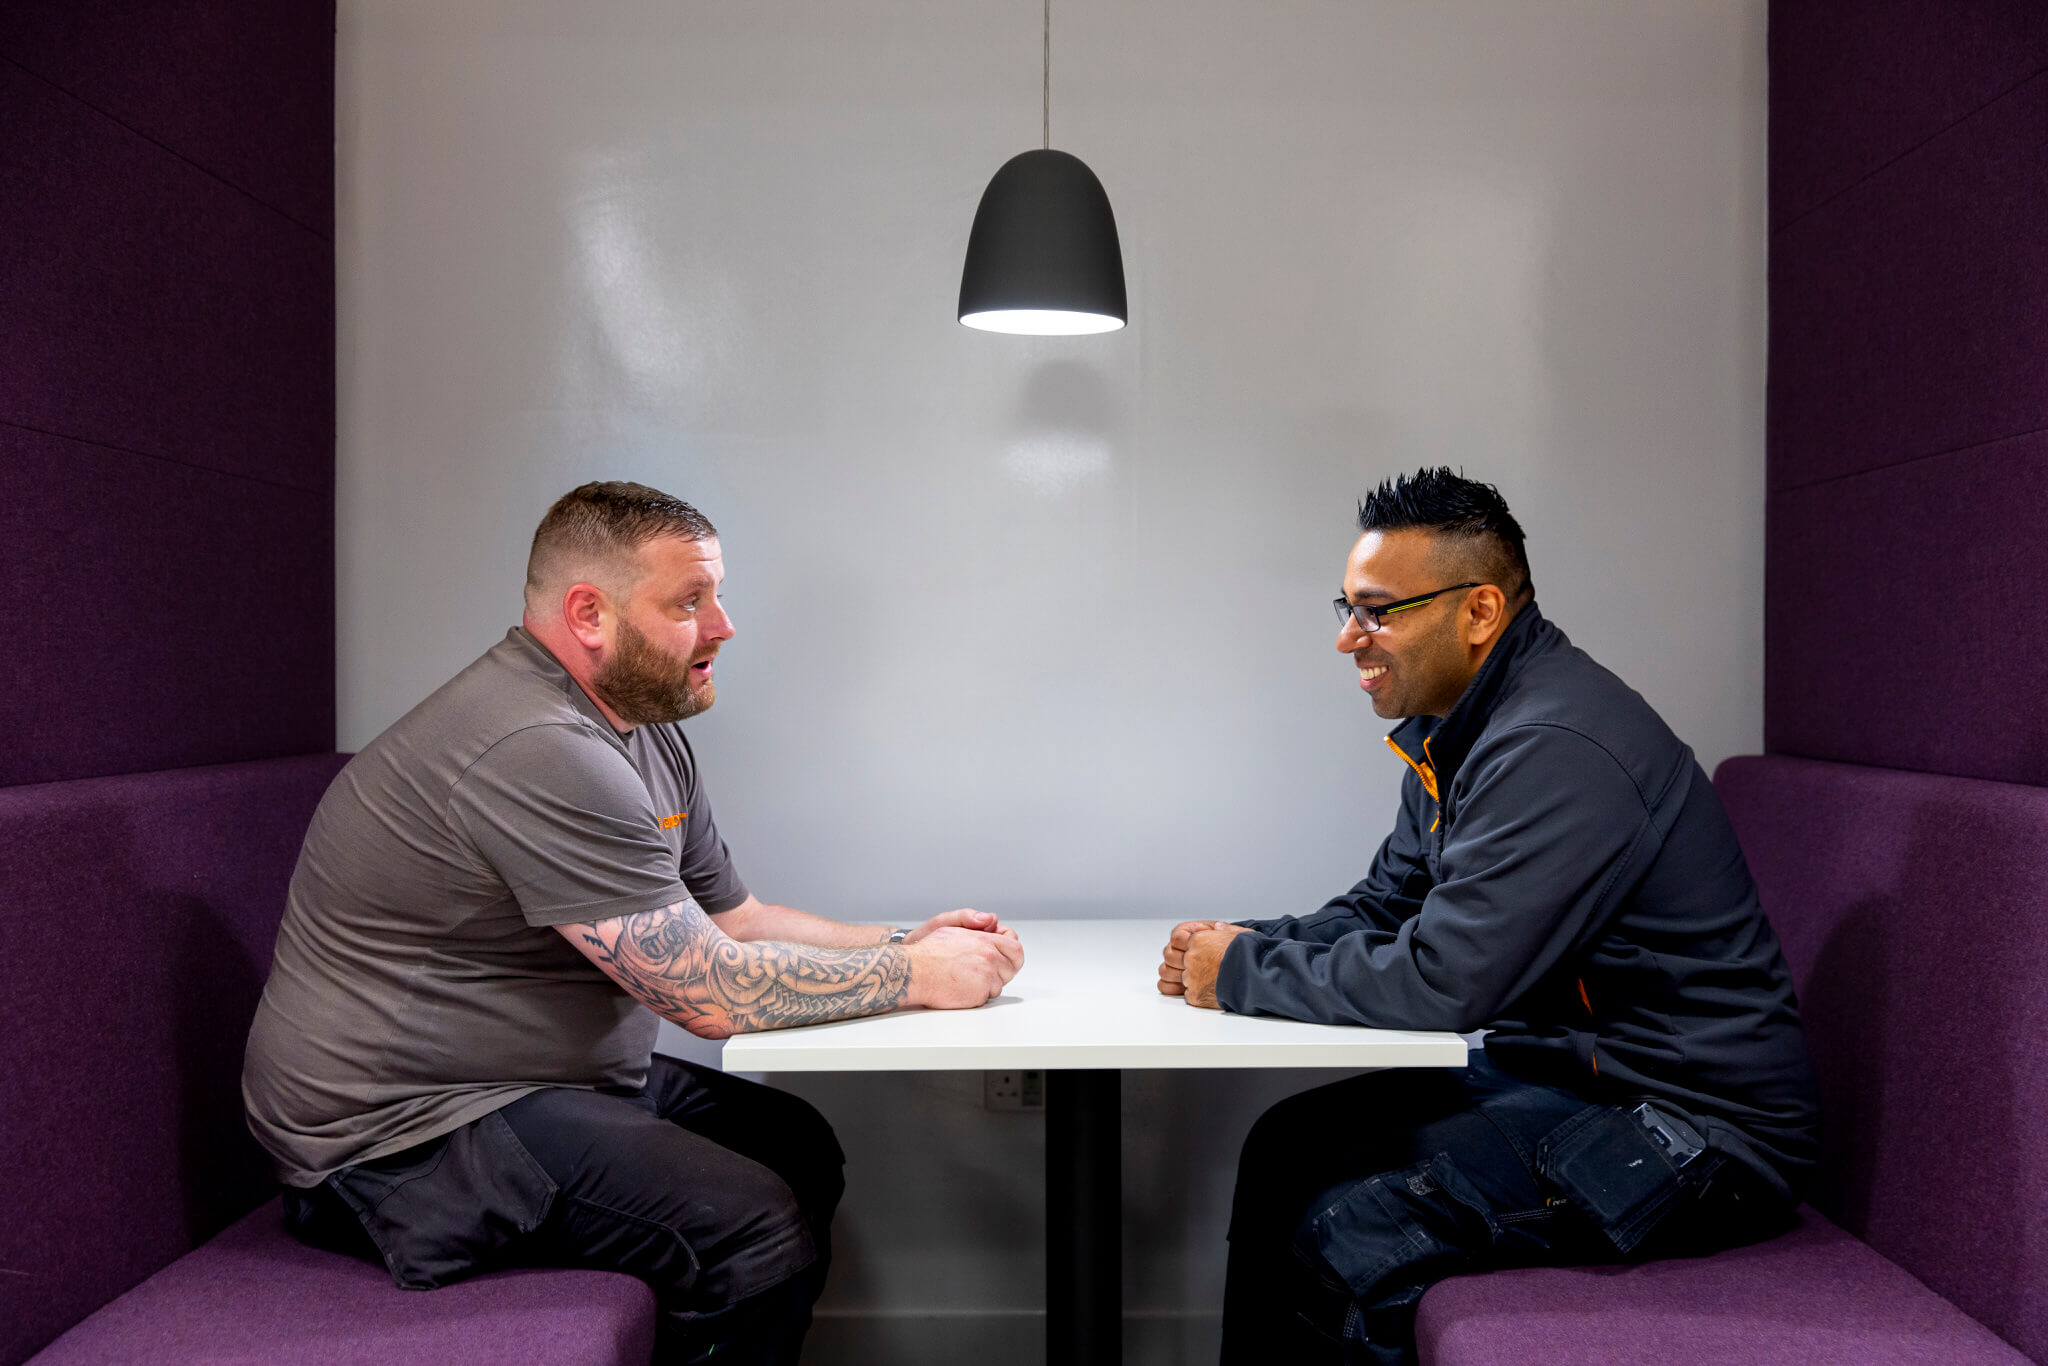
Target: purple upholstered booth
255	1296
1914	910
137	918
167	471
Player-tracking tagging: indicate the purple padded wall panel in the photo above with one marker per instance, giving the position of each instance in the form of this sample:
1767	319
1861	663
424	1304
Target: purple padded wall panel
1876	78
137	917
157	615
1902	614
1914	913
146	305
242	88
1909	316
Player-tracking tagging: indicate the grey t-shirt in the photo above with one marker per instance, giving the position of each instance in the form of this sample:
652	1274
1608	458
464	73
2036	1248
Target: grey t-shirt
418	984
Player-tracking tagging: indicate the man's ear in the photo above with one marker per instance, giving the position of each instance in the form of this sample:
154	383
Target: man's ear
584	609
1486	611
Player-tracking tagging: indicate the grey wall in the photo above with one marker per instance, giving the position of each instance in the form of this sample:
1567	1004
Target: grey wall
1041	625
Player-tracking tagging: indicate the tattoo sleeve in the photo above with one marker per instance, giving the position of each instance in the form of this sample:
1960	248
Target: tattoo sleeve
678	964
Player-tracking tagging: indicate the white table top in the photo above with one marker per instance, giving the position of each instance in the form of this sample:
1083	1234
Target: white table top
1085	999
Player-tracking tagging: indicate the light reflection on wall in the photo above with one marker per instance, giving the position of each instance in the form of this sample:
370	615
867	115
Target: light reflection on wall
1063	433
651	319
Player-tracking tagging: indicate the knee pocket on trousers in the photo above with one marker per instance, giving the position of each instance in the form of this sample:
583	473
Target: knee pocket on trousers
1415	1219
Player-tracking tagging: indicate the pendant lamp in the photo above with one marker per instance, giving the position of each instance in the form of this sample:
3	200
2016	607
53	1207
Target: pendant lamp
1043	257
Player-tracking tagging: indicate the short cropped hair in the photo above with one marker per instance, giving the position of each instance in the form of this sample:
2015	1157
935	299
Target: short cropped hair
1470	519
593	533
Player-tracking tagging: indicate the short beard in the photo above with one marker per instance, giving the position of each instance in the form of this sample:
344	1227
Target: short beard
645	686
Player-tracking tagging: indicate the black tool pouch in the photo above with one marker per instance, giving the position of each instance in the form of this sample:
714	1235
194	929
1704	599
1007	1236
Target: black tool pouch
1609	1167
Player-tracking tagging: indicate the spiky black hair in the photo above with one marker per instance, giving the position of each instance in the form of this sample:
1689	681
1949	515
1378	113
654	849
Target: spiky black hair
1472	517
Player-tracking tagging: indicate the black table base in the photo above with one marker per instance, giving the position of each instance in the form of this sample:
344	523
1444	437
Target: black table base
1084	1291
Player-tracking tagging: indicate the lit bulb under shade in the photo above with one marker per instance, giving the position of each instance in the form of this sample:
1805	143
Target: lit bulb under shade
1043	257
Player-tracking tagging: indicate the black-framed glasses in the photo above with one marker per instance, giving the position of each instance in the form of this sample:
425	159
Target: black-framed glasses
1370	617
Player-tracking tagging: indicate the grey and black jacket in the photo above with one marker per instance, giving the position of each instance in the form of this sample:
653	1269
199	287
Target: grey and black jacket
1563	875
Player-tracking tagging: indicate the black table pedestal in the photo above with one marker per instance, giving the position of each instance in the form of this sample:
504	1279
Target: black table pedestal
1084	1290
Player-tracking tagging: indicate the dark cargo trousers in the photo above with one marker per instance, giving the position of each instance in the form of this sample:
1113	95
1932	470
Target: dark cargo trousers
716	1191
1355	1198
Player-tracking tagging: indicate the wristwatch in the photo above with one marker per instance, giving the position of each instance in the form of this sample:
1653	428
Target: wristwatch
897	936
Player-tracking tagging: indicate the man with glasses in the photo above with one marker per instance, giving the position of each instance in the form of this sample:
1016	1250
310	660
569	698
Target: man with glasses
1560	874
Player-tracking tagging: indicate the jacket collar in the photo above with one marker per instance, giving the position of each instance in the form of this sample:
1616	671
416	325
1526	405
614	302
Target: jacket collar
1435	746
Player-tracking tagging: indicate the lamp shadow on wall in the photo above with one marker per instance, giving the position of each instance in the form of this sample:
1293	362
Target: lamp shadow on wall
1065	430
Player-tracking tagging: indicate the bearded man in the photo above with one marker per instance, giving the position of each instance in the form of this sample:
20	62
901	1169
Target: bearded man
1561	874
452	1062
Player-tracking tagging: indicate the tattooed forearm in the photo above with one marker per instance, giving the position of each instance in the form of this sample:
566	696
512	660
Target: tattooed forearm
679	965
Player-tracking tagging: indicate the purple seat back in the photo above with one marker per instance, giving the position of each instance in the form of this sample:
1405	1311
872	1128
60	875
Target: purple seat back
1914	911
137	918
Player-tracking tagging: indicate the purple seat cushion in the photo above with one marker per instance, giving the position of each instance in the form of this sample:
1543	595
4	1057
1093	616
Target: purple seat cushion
1914	912
1815	1297
255	1295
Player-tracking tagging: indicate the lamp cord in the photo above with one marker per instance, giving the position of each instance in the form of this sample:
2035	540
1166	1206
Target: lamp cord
1045	91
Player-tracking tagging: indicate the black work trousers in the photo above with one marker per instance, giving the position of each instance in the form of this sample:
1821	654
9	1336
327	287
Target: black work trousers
716	1191
1354	1198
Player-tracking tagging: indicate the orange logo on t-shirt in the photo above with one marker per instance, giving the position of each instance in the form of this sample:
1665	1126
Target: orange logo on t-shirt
671	822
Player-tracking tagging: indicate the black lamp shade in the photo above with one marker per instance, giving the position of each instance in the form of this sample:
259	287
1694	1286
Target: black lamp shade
1043	256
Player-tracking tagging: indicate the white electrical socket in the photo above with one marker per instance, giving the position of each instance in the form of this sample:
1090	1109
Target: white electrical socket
1013	1090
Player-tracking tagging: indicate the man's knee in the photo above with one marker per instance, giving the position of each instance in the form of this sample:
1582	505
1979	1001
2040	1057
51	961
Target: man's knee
1279	1138
785	1132
709	1251
818	1167
1275	1169
760	1238
1251	1204
809	1129
1310	1121
1269	1165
